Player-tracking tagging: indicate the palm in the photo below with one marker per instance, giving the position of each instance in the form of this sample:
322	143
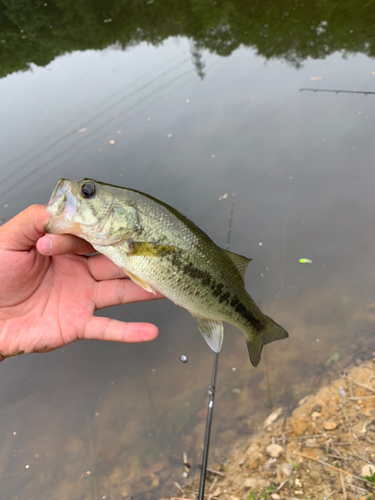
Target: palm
70	302
57	306
47	302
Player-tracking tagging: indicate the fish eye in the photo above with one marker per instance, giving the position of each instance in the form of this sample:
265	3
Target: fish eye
88	190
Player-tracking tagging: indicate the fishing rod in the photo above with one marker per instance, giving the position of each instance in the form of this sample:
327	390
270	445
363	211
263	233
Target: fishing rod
338	91
211	388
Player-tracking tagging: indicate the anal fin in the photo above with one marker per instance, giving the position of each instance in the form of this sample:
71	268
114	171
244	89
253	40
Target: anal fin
140	282
212	332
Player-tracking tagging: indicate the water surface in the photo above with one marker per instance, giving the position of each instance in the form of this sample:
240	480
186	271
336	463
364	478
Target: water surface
202	101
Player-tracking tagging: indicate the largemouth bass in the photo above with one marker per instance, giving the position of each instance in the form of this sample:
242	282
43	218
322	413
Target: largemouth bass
162	250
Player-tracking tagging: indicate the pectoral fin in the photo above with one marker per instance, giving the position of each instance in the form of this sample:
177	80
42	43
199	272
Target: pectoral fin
212	332
140	282
239	261
150	249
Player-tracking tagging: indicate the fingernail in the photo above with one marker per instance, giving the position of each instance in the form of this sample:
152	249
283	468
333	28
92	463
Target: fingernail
45	245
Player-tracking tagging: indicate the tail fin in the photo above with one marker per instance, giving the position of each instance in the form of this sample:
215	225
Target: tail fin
255	341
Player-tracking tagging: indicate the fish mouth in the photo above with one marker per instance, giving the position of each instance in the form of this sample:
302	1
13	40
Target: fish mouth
62	206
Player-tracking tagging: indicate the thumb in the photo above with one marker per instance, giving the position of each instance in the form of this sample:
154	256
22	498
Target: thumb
23	231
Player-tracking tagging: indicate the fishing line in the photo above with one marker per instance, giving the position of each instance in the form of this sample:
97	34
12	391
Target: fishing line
338	91
277	296
211	388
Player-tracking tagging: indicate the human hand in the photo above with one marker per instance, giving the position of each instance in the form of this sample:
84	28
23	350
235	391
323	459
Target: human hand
49	290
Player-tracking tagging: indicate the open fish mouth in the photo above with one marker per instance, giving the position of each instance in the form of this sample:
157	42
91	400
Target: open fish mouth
62	206
71	213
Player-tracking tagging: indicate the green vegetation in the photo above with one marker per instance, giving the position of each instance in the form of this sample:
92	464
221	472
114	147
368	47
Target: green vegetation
38	31
267	491
370	478
332	359
252	496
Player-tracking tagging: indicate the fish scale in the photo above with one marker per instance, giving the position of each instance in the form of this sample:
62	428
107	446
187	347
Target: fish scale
162	250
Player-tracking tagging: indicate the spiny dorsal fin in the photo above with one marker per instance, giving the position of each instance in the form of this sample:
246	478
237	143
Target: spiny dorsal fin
239	261
212	332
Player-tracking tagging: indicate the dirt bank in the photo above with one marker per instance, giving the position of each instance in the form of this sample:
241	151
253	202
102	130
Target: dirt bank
324	449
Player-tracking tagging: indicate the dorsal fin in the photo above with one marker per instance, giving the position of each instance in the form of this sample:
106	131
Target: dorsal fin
239	261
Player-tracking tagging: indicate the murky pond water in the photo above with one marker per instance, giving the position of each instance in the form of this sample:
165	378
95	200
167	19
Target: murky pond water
203	100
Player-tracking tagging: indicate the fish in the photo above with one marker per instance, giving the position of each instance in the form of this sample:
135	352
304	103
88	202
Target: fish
162	250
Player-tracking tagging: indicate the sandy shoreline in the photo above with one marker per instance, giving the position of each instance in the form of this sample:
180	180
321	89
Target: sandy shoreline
322	450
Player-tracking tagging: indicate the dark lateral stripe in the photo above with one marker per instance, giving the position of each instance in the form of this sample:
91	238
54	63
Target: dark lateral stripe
245	313
217	290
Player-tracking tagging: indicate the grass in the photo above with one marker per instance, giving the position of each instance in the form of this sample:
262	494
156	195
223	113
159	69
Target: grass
370	478
265	494
267	491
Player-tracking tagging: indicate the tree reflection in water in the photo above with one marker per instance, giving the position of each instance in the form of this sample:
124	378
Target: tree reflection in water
37	32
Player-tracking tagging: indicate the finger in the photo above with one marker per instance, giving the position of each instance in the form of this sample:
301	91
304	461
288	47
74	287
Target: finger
123	291
23	231
59	244
110	329
101	268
